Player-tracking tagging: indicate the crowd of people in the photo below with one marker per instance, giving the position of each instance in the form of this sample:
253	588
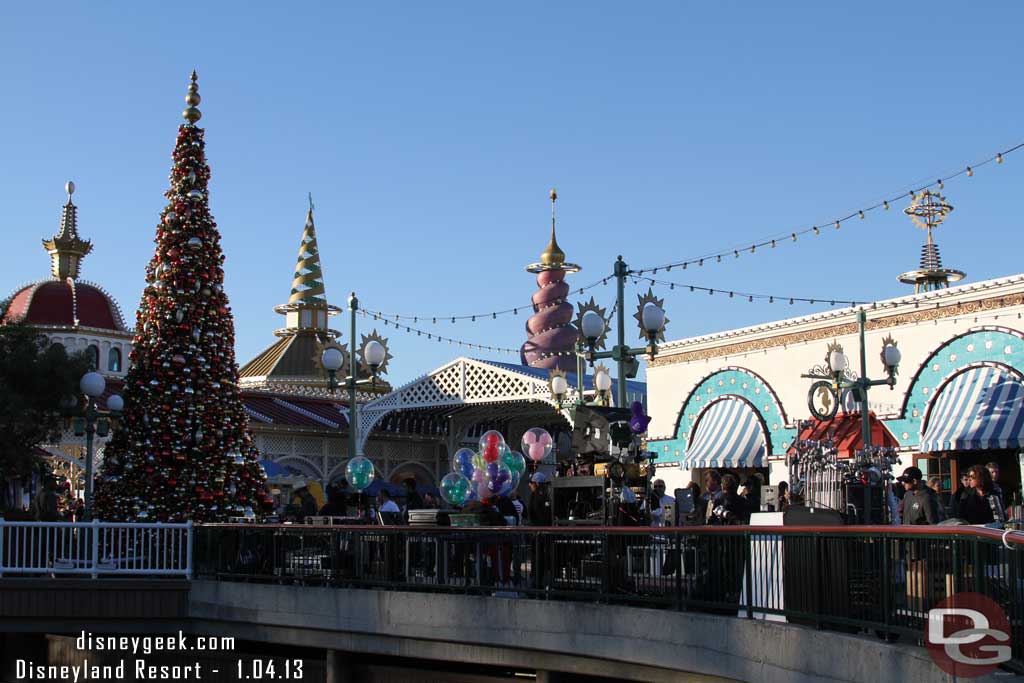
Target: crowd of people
349	504
725	499
977	500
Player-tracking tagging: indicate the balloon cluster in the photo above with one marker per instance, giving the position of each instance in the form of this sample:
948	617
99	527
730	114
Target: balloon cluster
492	470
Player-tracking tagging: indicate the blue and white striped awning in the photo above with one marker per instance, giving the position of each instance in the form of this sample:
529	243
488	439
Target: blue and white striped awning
979	409
728	434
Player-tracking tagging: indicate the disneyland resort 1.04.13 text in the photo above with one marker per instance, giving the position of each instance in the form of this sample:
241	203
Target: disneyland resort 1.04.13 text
136	666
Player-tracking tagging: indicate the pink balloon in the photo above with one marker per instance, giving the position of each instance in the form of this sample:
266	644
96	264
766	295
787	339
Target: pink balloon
537	452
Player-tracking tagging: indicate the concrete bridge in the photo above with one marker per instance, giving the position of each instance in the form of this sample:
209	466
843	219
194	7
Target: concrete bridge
380	635
346	623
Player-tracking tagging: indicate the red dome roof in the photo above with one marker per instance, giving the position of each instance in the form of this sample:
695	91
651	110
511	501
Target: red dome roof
67	304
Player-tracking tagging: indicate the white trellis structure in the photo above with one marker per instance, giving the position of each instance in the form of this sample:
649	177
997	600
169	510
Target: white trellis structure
462	382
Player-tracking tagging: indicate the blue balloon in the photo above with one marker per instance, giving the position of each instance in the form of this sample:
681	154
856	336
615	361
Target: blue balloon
462	462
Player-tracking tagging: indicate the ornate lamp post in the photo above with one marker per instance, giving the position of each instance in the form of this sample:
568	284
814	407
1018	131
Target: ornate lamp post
91	420
828	387
374	357
649	315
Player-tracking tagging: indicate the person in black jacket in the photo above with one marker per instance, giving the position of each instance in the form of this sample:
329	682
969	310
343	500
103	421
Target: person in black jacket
335	505
538	509
920	504
957	498
413	501
731	508
981	505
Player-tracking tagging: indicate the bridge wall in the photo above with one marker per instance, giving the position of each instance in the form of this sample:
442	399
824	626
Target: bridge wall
628	643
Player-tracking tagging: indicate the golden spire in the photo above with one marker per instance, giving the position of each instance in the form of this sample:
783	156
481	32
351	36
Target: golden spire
308	285
552	254
307	307
66	249
192	99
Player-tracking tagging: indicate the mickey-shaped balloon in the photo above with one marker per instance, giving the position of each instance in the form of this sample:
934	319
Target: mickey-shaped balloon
638	421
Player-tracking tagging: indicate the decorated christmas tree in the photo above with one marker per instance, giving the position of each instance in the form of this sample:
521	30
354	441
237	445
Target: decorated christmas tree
184	450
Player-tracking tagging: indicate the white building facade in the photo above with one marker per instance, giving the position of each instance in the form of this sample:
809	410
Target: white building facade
956	400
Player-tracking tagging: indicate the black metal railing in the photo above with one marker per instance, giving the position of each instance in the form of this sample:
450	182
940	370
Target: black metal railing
880	579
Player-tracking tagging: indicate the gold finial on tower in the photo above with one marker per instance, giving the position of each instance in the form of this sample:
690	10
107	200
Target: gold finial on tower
66	249
552	258
192	99
553	254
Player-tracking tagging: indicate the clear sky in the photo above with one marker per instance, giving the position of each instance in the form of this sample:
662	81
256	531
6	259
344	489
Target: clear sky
430	134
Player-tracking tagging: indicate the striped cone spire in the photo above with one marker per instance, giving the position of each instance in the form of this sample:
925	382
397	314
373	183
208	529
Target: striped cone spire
308	284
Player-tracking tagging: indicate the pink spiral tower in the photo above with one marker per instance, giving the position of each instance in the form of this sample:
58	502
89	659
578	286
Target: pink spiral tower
550	334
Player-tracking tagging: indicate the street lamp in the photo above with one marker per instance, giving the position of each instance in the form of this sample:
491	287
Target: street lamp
91	420
650	316
603	384
559	387
830	384
375	356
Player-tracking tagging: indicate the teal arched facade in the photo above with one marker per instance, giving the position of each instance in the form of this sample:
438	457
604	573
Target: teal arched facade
998	345
730	381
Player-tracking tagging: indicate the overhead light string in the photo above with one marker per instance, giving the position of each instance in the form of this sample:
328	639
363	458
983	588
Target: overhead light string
431	336
835	224
751	296
434	319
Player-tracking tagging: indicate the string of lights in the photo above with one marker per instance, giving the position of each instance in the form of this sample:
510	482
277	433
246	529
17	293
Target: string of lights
750	296
440	339
783	238
474	317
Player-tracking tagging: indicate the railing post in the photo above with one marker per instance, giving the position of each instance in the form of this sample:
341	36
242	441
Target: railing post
188	549
887	580
94	531
3	545
606	579
979	570
680	567
748	564
816	580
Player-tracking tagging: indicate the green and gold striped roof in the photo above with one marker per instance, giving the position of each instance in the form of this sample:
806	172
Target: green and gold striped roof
308	282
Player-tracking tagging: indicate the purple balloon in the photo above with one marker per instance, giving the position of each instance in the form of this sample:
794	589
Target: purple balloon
639	421
497	477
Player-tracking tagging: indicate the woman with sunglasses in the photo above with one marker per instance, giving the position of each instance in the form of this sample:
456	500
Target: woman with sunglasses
981	505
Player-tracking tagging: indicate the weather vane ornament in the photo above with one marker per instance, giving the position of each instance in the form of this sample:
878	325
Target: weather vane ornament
927	211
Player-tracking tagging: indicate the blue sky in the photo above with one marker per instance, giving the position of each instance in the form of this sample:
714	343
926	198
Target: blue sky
430	134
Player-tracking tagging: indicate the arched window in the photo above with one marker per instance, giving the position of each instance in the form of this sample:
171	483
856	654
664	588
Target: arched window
93	353
114	360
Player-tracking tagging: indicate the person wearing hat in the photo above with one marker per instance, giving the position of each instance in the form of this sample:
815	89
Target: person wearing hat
920	504
538	510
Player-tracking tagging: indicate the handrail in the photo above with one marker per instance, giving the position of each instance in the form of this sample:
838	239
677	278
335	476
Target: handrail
94	548
1000	535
